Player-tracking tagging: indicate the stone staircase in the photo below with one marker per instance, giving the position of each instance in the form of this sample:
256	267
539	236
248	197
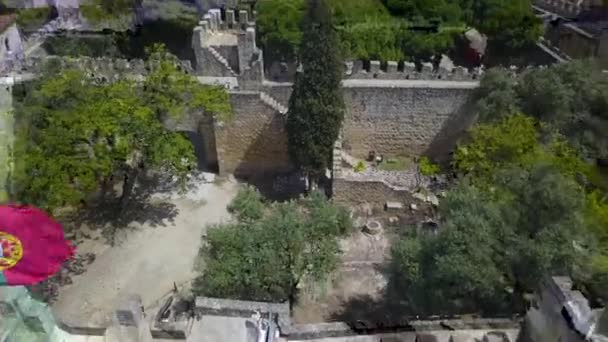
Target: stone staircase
218	56
270	101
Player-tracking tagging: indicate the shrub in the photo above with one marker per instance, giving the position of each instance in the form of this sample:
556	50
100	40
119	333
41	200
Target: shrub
31	19
359	167
428	168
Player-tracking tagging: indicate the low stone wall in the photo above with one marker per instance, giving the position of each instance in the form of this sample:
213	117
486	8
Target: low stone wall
241	308
320	330
374	192
300	332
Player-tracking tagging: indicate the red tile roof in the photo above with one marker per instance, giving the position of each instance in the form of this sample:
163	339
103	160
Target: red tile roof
6	21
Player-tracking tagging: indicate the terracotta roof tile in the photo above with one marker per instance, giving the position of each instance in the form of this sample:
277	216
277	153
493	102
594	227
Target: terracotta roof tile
6	21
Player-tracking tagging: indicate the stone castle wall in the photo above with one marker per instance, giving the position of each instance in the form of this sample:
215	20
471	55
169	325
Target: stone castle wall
388	117
393	70
254	141
391	108
404	118
110	68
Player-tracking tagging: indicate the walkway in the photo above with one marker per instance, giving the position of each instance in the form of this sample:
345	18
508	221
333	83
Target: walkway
148	259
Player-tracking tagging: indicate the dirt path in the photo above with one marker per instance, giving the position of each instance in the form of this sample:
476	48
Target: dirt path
148	259
358	281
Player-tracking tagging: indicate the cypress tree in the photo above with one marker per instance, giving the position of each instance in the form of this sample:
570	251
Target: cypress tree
316	106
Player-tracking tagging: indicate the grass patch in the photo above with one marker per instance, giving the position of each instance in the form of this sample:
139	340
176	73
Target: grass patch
31	19
428	168
399	163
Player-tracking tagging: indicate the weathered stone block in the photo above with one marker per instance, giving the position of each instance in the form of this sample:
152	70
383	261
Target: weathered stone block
207	18
230	18
427	68
348	68
460	72
391	67
357	66
374	67
243	17
409	67
393	206
216	14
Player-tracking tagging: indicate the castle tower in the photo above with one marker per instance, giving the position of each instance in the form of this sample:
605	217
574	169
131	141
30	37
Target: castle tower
224	46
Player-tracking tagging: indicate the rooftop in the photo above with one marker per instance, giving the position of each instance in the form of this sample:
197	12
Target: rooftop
6	20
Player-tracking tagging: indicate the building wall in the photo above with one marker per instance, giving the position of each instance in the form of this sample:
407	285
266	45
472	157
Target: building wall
544	322
576	44
403	120
412	119
254	141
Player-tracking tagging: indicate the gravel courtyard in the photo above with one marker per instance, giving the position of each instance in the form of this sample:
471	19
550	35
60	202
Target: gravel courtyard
148	257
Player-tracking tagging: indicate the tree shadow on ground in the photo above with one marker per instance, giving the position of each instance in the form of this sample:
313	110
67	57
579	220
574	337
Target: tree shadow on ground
108	215
387	311
276	186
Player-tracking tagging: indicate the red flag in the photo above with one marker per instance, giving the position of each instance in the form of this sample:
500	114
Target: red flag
32	245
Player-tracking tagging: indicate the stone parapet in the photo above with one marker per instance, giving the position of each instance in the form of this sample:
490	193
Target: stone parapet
240	308
568	8
233	20
108	68
407	70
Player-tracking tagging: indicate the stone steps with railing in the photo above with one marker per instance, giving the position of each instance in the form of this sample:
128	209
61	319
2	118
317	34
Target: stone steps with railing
271	102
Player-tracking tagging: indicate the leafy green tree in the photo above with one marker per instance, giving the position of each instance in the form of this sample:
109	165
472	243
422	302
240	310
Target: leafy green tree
267	259
247	205
516	142
372	39
173	93
597	215
75	134
497	96
570	99
546	212
459	270
494	245
545	97
512	141
424	10
511	23
279	27
102	10
316	106
348	12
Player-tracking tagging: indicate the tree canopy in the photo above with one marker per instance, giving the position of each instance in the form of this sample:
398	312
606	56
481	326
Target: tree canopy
495	245
382	29
530	200
76	133
316	106
569	98
279	27
102	10
266	257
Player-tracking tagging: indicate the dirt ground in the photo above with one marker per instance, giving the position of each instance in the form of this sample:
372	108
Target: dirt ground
156	251
360	276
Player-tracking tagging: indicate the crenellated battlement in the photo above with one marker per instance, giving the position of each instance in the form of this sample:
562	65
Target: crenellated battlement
233	22
393	70
103	68
564	7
